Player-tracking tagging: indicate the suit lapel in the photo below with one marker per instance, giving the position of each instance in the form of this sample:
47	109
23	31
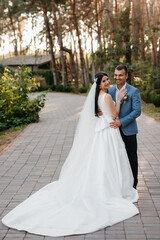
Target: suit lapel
127	87
114	94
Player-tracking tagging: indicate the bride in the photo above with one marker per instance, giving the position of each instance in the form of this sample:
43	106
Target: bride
94	189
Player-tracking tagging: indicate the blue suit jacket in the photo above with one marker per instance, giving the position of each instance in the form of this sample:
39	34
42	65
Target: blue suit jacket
129	110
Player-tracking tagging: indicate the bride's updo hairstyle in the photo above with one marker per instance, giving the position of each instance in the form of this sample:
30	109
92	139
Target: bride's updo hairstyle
98	79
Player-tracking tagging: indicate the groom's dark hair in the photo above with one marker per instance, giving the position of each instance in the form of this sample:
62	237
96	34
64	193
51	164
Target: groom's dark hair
121	67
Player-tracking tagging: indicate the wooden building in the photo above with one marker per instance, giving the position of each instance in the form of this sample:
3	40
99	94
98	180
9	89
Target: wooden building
33	62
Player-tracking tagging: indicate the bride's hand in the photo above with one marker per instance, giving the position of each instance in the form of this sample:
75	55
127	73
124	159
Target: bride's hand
100	112
121	94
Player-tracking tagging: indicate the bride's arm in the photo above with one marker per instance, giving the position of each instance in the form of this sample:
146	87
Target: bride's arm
114	109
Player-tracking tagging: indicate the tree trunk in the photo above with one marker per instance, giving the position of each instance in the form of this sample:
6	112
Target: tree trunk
93	63
142	31
73	68
102	27
116	41
136	28
14	32
20	36
98	23
159	55
58	23
34	38
53	62
74	49
154	36
85	80
111	16
76	55
127	35
86	55
154	51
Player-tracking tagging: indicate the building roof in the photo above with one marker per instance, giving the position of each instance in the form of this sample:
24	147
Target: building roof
27	60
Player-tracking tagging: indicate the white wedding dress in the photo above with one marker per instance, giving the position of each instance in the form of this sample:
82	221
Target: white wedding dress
94	189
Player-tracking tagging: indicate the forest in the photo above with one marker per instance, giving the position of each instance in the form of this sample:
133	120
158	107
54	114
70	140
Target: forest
90	36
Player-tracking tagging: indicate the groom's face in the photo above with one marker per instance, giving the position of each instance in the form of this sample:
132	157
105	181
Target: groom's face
120	77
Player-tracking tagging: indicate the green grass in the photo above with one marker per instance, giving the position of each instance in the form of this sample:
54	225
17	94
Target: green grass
7	136
151	110
12	129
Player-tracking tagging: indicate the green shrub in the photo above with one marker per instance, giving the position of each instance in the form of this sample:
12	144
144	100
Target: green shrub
47	74
69	88
90	77
146	95
156	100
41	80
15	106
157	91
53	87
44	88
157	84
83	90
150	96
59	88
1	69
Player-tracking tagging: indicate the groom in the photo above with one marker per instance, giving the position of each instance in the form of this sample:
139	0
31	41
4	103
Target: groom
129	111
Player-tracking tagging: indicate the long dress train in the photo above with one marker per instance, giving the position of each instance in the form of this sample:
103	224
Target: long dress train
87	197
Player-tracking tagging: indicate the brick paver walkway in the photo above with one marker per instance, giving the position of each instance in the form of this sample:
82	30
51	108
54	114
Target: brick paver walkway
36	156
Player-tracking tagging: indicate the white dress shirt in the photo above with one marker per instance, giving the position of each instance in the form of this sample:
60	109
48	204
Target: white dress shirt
117	90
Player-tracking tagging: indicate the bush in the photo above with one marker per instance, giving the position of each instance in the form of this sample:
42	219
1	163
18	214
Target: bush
156	100
44	88
59	88
157	84
150	96
69	89
157	91
53	87
82	90
47	74
146	96
15	106
41	80
90	77
1	69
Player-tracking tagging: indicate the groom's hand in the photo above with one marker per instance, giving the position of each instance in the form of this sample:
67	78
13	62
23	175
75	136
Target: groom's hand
115	124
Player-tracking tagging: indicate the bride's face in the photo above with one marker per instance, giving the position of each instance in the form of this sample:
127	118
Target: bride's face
105	83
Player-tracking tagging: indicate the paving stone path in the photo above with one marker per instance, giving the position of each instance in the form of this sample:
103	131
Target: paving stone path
36	156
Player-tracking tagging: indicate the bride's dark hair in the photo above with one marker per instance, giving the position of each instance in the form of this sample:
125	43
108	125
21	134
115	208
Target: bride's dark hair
98	79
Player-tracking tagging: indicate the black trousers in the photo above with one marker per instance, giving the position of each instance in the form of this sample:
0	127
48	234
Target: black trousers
131	148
